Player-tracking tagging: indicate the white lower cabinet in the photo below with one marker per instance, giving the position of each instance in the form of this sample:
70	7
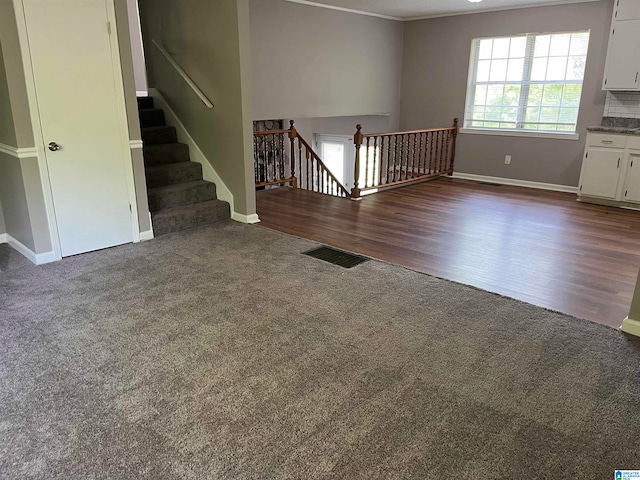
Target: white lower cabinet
601	172
632	187
611	169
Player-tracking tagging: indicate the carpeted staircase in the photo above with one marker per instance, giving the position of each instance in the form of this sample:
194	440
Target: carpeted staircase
178	196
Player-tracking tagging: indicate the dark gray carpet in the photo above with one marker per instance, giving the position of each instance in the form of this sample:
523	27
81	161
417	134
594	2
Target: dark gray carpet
222	353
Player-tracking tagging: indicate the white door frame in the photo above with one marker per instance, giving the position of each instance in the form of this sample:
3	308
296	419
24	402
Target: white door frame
37	127
349	154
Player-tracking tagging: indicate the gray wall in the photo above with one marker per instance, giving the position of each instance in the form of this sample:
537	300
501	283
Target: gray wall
307	127
210	40
137	50
3	229
315	62
20	184
7	129
434	81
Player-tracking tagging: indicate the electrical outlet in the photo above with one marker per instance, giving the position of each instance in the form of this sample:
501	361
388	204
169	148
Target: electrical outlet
507	160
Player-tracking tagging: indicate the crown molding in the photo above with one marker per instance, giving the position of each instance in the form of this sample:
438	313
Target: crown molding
346	10
439	15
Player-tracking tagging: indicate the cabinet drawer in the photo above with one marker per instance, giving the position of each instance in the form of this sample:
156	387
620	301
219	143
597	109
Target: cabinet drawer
633	142
606	140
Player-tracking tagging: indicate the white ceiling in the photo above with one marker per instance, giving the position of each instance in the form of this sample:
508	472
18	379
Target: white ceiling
416	9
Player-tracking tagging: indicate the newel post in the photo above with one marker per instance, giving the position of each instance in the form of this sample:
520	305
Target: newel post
453	147
358	139
293	134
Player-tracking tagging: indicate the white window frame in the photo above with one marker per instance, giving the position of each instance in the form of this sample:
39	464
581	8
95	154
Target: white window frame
525	83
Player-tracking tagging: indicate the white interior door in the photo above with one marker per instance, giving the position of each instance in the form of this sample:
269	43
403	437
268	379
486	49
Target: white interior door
335	152
78	102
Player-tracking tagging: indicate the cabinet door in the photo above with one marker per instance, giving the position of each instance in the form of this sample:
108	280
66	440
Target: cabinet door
632	191
627	10
622	69
601	172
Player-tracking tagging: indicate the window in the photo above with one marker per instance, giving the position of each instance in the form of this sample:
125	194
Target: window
526	83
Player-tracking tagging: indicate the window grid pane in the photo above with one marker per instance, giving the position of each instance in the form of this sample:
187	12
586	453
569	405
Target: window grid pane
527	82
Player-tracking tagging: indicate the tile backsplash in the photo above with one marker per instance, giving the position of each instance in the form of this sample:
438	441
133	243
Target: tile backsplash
622	104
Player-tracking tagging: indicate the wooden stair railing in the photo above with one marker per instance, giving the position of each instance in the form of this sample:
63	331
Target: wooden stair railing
277	163
392	159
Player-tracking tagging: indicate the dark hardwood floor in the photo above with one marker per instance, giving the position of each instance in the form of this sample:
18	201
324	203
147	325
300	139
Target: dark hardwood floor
538	246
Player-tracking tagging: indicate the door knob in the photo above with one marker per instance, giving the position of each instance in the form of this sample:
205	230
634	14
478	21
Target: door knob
54	147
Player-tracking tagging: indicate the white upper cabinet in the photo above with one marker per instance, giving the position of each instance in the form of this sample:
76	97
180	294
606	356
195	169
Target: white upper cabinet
622	69
626	10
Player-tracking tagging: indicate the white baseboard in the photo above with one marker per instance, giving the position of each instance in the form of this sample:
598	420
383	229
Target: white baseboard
142	93
239	217
208	172
632	327
35	258
148	235
516	183
3	238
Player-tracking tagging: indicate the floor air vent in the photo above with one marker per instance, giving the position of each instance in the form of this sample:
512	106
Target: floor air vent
337	257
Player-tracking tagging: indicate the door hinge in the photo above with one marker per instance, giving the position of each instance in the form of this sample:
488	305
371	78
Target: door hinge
625	193
580	187
605	80
130	210
109	27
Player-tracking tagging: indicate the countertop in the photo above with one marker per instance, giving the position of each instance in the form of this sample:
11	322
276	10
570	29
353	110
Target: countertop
625	126
622	130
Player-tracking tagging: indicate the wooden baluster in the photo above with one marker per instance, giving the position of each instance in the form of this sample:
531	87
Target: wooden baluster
318	177
399	160
255	159
395	157
430	153
366	166
293	134
376	161
413	155
280	158
446	155
420	153
357	141
441	153
453	146
274	158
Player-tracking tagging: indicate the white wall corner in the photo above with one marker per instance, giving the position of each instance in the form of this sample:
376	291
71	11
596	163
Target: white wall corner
35	258
516	183
239	217
208	172
148	235
632	327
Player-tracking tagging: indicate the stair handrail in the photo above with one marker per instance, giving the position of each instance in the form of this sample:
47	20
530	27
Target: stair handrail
184	75
306	168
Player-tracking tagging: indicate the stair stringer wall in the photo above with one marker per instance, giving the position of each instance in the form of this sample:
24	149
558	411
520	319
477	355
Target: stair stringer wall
208	172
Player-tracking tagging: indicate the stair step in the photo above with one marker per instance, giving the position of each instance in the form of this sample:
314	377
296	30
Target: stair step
159	135
163	175
165	154
151	117
180	194
145	102
189	216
